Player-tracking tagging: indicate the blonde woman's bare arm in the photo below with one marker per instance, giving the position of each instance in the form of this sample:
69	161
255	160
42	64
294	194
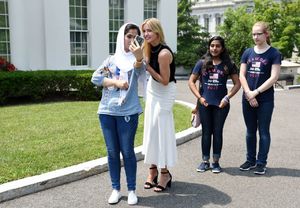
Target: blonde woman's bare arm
164	60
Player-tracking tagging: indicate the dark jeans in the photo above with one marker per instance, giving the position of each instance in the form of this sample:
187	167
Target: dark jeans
212	120
260	118
119	133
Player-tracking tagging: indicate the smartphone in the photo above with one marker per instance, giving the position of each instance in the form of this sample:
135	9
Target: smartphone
139	39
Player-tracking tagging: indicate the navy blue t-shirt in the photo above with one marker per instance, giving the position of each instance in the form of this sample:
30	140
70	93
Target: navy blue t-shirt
213	81
259	70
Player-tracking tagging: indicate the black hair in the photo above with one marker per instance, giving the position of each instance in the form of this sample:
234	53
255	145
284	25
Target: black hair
224	56
130	27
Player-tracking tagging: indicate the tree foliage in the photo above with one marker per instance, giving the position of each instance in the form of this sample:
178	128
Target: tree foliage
236	30
286	32
283	18
192	40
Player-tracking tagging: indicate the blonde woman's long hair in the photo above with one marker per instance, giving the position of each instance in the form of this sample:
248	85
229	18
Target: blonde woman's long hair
155	25
266	29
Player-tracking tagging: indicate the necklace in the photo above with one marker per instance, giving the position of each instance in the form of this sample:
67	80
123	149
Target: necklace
156	49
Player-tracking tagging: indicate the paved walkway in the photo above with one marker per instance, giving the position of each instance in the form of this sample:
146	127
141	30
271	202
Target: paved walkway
232	188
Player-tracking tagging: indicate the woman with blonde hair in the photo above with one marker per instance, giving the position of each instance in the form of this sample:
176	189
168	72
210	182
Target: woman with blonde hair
260	68
159	145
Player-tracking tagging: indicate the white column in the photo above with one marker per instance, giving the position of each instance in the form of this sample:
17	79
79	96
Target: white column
18	43
28	34
35	34
134	11
57	34
98	15
167	14
213	24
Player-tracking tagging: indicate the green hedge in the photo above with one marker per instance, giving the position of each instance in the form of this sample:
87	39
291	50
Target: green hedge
42	84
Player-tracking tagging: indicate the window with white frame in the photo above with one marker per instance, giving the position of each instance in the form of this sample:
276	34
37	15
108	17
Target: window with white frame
78	32
150	9
116	20
4	31
206	22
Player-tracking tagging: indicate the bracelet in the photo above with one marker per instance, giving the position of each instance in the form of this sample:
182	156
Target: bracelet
137	64
226	98
140	61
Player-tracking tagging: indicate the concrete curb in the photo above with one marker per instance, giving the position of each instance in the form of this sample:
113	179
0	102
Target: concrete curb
62	176
291	87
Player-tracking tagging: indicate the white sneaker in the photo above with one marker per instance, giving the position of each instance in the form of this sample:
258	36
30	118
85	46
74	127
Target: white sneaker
132	198
114	197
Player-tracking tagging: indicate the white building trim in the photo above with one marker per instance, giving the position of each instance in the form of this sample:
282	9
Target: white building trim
212	9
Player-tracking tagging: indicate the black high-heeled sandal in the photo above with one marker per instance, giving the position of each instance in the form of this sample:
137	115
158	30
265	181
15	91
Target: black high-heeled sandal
160	188
149	185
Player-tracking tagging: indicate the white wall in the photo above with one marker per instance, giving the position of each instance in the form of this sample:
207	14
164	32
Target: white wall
99	36
167	14
35	36
134	11
40	33
23	30
57	35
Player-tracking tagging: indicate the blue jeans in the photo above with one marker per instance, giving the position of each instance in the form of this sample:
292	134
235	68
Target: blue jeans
212	120
119	133
260	118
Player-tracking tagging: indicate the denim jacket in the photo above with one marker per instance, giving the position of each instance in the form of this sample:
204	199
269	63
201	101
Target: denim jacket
110	101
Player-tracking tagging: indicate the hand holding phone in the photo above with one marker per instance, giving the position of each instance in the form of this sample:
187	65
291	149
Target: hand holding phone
139	39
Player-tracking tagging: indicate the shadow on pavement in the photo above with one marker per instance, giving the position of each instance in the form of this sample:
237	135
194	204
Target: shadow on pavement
234	171
183	194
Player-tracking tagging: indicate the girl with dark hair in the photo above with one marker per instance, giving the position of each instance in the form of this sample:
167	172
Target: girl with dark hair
260	68
119	108
212	71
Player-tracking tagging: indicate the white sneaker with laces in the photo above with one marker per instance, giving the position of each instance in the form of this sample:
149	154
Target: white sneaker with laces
114	197
132	198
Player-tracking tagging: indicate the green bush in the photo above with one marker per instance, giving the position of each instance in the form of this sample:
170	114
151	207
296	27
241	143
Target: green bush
43	84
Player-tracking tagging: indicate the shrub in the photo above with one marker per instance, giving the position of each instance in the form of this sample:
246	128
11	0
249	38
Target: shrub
44	84
6	66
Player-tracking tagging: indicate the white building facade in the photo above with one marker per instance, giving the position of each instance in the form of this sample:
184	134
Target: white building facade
210	13
73	34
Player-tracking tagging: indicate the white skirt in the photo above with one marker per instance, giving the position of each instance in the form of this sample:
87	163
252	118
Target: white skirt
159	144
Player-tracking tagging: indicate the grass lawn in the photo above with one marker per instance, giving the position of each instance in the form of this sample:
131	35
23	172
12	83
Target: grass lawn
38	138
